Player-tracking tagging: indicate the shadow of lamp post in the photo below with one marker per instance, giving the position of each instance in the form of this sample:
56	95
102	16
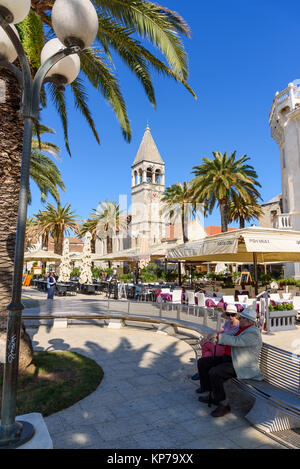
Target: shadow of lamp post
75	23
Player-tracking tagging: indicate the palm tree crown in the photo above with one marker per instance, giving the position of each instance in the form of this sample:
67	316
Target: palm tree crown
222	179
242	211
177	199
56	221
121	24
43	171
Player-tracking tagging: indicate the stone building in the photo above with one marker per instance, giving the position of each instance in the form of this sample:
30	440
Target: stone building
283	211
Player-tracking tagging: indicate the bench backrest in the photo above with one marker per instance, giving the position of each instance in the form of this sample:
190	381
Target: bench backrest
280	368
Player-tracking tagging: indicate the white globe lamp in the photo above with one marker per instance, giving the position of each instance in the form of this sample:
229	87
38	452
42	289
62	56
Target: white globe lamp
18	9
75	22
7	49
68	67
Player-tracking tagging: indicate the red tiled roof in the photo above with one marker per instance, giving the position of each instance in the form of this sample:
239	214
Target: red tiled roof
213	230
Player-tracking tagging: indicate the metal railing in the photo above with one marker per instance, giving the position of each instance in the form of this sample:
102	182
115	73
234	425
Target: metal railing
211	318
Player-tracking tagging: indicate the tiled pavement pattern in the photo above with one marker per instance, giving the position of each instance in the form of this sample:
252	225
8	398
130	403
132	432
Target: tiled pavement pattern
145	400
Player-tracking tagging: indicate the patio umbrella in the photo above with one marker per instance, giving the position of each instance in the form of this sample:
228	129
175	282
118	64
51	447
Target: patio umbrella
86	261
251	245
41	255
65	266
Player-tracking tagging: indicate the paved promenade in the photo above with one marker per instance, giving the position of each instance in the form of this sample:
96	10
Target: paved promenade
146	398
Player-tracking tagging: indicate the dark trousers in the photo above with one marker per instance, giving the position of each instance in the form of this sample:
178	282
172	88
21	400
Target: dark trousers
50	293
213	371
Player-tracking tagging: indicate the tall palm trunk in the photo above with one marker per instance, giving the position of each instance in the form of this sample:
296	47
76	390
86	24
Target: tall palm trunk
242	222
224	215
183	225
58	244
11	138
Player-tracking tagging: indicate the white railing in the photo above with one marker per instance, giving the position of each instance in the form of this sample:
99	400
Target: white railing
289	97
283	221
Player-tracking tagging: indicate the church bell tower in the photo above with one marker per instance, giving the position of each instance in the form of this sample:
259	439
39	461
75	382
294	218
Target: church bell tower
147	187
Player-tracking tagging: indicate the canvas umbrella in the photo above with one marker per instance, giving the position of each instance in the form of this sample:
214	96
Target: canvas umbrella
86	261
251	245
41	255
65	266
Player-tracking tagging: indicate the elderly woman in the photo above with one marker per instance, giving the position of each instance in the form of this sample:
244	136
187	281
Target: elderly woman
239	360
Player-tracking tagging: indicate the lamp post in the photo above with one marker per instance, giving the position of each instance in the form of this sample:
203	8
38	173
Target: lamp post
75	23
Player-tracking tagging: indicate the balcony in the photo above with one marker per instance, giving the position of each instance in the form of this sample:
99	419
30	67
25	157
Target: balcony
283	221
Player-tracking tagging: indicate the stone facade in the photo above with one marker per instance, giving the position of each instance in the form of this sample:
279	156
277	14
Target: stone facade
284	123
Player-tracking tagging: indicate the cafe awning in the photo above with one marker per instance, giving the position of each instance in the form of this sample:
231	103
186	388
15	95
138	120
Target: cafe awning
41	255
267	244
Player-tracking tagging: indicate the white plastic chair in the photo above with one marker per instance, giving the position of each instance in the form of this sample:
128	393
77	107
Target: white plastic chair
176	296
165	290
296	303
190	295
228	299
201	298
274	296
286	296
242	298
209	294
250	302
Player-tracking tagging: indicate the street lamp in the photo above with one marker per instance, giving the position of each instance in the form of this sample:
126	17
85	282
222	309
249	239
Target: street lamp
76	24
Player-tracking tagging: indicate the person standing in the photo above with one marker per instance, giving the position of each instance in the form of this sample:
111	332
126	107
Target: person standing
50	286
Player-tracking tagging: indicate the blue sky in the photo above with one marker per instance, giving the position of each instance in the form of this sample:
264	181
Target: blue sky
240	54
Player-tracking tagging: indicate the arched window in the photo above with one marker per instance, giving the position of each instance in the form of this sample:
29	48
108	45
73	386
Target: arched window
135	178
157	176
149	175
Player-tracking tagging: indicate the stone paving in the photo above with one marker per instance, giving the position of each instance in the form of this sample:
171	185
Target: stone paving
146	398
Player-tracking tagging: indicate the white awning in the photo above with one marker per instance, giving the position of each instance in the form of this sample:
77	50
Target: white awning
269	244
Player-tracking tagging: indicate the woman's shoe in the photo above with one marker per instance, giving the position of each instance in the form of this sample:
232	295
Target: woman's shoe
195	377
220	411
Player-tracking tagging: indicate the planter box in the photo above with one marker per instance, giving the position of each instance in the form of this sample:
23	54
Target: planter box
282	320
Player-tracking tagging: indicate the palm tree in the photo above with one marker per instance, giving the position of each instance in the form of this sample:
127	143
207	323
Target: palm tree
124	26
110	221
43	171
89	225
56	221
242	211
177	199
221	180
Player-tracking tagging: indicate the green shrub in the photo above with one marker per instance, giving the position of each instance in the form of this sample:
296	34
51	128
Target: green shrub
75	272
171	275
126	278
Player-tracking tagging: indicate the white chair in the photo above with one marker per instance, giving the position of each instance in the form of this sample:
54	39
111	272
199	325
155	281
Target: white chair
296	303
209	294
242	298
228	299
219	294
165	290
286	296
274	296
190	296
201	298
250	302
176	296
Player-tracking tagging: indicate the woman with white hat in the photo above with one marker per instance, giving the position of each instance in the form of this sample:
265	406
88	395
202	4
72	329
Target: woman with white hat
240	360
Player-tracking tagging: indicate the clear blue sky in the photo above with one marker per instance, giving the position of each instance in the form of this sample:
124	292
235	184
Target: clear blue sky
240	54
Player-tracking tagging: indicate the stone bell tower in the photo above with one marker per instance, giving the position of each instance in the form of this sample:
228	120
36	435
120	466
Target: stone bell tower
147	187
284	122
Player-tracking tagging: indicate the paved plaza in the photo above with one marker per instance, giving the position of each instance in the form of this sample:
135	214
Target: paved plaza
146	398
